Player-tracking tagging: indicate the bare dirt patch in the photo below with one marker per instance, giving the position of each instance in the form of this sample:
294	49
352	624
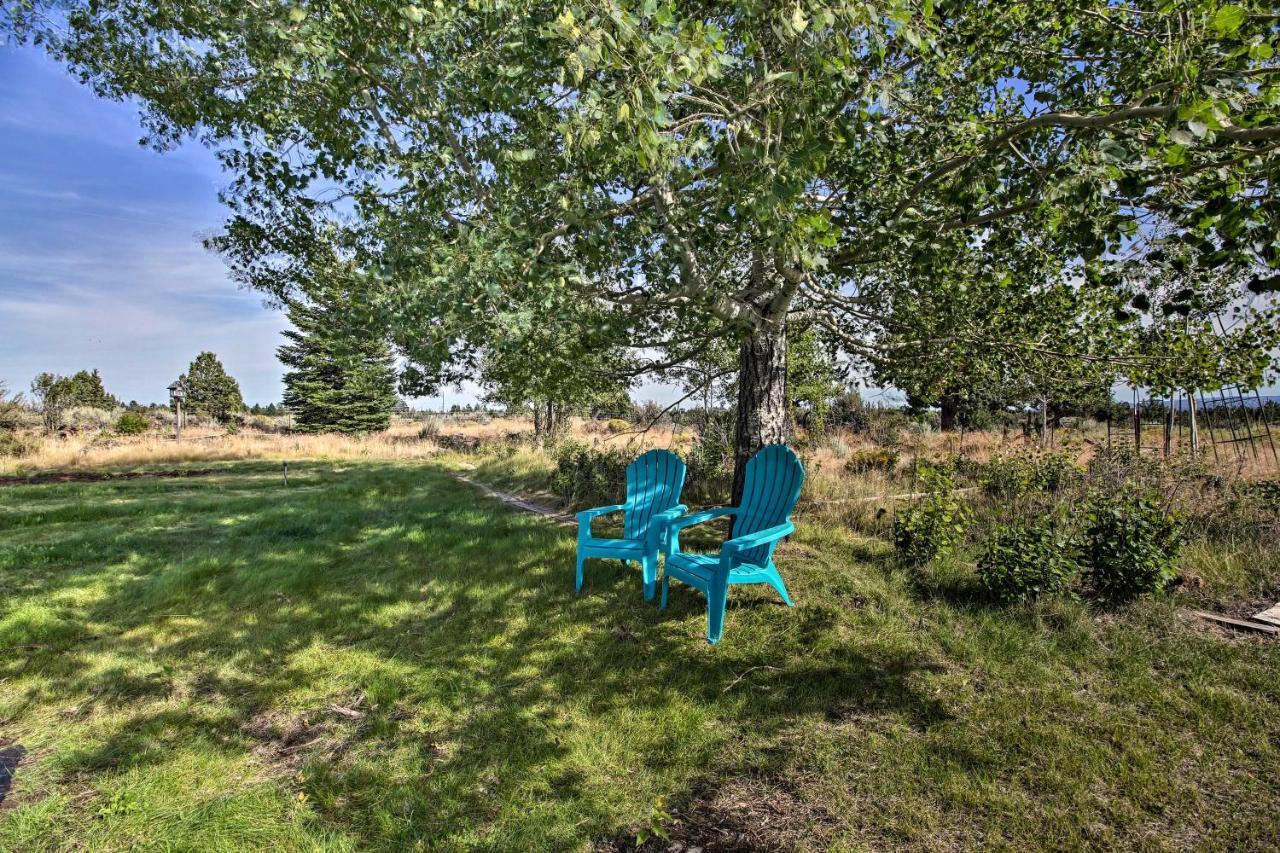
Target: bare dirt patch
744	814
289	739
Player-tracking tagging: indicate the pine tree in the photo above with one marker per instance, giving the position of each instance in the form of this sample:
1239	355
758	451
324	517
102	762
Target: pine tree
343	376
210	390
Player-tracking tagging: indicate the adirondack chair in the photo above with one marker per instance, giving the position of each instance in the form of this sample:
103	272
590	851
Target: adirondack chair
654	482
774	477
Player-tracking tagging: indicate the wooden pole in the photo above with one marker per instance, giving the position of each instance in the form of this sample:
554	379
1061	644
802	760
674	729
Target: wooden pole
1208	425
1137	425
1266	425
1192	426
1248	428
1231	423
1044	421
177	420
1168	428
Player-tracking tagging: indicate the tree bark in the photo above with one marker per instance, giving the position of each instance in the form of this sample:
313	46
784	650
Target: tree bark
950	406
763	416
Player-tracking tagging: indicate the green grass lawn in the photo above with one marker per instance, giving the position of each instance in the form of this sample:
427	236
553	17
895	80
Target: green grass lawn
378	657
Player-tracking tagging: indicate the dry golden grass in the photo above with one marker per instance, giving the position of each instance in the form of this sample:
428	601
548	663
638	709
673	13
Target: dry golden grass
84	452
583	429
829	481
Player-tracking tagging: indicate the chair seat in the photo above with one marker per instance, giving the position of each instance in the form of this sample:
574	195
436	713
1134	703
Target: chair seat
698	569
597	544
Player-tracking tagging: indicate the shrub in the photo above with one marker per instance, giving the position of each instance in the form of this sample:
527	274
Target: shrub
1011	477
618	425
87	419
931	528
885	426
872	459
430	426
17	444
838	447
1130	545
132	423
588	477
710	461
1026	561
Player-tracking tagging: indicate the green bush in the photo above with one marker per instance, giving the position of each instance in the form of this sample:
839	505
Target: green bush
14	443
132	423
618	425
872	459
1130	545
710	461
885	426
931	528
1015	476
587	477
1026	561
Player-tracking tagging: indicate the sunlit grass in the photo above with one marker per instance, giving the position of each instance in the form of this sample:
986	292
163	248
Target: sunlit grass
172	652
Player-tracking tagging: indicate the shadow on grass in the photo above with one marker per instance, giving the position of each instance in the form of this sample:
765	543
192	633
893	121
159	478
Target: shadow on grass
493	704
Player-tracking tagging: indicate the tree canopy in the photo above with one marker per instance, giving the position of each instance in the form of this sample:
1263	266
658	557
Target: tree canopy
664	174
55	394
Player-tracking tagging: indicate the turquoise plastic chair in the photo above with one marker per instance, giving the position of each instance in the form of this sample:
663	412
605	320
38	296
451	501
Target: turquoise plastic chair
654	482
774	477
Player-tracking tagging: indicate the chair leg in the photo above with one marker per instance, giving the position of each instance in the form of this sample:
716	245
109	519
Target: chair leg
666	582
581	559
717	598
777	583
649	569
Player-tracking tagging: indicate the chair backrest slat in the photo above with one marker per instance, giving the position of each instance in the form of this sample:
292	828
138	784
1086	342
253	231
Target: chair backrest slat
654	482
773	480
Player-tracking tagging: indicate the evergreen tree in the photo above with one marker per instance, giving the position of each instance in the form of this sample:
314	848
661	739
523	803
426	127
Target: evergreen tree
210	390
85	388
342	377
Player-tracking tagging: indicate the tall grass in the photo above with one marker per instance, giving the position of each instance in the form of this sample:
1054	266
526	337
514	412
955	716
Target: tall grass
86	452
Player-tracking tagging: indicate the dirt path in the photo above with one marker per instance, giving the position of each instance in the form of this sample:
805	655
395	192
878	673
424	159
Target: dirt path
519	502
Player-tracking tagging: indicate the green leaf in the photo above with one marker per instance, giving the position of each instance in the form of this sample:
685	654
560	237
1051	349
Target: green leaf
799	20
1228	19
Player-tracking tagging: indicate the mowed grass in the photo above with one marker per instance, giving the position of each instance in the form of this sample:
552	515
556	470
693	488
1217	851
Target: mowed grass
376	656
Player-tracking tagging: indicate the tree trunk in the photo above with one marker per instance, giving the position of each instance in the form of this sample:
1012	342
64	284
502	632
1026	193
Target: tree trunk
762	396
537	419
950	406
1193	424
1044	421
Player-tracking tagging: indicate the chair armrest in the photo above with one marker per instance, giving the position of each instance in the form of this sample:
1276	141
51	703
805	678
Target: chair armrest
704	516
754	540
673	528
585	517
588	514
658	524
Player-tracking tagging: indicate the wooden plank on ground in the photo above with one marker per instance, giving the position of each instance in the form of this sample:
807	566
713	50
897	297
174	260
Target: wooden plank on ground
1238	623
1271	616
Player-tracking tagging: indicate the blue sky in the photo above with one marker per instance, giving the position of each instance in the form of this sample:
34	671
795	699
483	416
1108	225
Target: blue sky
100	256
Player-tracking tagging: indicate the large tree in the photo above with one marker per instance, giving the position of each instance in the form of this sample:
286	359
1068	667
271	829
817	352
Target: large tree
695	169
341	375
54	394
